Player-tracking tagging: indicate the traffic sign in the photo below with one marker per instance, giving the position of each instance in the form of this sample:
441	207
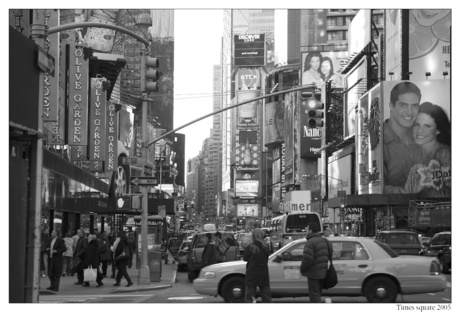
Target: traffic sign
144	181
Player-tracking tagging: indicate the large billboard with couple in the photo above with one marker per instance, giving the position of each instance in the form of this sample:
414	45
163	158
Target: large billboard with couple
404	139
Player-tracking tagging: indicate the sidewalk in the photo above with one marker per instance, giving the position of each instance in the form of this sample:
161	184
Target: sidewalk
67	287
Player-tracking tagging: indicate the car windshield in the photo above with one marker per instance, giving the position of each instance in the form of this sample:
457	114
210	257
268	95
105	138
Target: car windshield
387	249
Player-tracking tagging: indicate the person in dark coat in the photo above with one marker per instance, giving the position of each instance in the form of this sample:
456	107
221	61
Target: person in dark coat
93	259
56	249
315	261
256	254
80	252
122	247
209	252
105	252
44	255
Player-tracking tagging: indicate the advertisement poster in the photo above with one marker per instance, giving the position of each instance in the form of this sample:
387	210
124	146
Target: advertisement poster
296	202
355	81
320	67
247	150
274	122
362	145
127	131
339	176
248	113
375	143
429	43
423	164
289	106
393	43
247	210
97	115
101	39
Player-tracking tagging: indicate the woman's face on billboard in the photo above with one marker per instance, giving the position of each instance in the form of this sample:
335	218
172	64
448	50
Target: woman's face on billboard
425	130
326	68
314	62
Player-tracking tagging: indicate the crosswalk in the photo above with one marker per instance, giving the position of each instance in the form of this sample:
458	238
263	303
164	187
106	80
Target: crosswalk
88	298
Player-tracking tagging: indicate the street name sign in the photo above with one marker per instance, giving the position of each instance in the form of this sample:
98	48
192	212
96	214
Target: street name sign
144	181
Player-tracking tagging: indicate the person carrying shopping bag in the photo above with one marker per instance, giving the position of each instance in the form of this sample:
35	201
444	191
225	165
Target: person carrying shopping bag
93	259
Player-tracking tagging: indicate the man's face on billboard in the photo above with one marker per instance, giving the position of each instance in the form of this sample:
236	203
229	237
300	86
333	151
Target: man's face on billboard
405	110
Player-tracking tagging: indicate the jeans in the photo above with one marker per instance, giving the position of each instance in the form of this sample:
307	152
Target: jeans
315	287
265	293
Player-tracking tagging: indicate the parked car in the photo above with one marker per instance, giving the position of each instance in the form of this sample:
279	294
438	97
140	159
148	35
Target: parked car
184	249
440	246
196	250
365	267
403	242
244	239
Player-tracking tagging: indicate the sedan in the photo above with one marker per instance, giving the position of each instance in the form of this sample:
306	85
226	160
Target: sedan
365	267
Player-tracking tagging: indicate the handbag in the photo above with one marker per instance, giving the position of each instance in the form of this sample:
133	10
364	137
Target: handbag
125	255
223	247
89	274
331	275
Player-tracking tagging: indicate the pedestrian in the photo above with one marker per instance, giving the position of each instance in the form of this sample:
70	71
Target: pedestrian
209	252
122	247
132	247
44	255
56	249
220	255
93	259
114	242
256	254
315	261
80	253
105	252
68	255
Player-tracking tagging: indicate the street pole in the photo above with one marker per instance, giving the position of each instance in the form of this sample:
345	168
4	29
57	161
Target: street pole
144	272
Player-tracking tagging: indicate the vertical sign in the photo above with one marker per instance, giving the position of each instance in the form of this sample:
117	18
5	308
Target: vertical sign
78	97
51	80
97	129
112	138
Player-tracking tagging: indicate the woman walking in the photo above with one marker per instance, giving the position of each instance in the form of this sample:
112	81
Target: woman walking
93	259
256	255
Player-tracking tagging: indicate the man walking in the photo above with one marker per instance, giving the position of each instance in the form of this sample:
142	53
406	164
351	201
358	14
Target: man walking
315	261
80	252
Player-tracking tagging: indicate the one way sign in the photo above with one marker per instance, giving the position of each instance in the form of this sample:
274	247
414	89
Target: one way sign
144	181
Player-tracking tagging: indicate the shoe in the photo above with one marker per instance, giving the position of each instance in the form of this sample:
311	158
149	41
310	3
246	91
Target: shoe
55	289
116	284
49	288
129	284
85	284
78	283
100	284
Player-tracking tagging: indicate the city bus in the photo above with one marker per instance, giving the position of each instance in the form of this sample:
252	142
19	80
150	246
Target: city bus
287	228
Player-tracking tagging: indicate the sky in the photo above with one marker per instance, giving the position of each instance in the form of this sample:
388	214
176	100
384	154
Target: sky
197	49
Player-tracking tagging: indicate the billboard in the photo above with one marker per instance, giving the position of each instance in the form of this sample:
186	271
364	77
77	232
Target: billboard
416	138
127	131
320	67
339	175
353	82
274	122
359	31
247	150
248	113
369	143
296	202
248	78
393	44
249	50
289	149
429	43
247	210
246	188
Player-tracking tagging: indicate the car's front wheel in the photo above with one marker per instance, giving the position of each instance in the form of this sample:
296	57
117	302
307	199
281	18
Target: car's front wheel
233	290
381	289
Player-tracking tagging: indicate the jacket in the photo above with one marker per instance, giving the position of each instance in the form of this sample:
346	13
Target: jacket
315	256
104	249
55	262
256	256
209	254
80	248
92	254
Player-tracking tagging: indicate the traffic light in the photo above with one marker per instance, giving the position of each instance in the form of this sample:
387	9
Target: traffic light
149	74
315	112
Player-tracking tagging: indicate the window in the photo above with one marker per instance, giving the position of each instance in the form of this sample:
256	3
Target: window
348	251
297	252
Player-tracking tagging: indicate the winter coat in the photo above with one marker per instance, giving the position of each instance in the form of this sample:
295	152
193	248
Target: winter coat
209	254
122	246
104	250
69	245
92	254
256	256
80	248
315	256
55	262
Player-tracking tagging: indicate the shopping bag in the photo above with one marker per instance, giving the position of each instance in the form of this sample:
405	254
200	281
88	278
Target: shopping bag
89	274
